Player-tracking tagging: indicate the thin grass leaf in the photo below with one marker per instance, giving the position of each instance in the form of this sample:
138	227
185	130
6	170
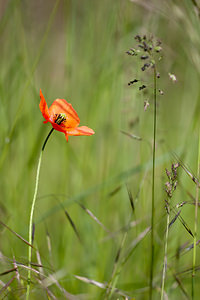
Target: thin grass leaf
29	268
50	294
16	234
185	248
71	222
116	273
53	279
36	265
189	270
185	225
182	222
49	247
101	285
68	295
120	178
180	284
115	191
174	219
39	263
111	285
179	250
8	271
7	284
134	244
123	229
73	225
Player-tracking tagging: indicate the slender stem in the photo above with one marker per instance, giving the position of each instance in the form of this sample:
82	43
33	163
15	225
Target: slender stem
165	255
47	138
153	188
31	214
196	218
197	192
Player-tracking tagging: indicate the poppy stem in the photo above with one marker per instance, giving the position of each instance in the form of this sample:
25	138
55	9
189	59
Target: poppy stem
31	215
47	139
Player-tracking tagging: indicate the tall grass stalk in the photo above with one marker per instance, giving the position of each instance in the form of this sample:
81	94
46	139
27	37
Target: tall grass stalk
196	218
31	215
116	270
165	255
153	185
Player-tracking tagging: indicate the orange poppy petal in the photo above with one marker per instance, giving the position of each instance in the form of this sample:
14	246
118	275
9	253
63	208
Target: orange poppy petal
62	106
43	107
58	127
66	135
82	130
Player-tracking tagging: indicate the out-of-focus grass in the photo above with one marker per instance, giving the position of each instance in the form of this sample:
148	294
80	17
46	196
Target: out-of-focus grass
76	51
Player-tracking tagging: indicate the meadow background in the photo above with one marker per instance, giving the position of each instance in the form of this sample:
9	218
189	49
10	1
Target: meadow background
76	50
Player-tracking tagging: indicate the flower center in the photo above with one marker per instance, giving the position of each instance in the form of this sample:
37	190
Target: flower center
60	118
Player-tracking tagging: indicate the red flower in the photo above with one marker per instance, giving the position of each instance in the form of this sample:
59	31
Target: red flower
63	117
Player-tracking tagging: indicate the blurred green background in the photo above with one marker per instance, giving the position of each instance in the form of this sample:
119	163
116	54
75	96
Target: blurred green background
76	50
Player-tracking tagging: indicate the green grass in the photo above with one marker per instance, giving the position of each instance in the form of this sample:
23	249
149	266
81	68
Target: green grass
76	51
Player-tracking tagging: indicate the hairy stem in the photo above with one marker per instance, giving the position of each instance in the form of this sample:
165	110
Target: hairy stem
31	215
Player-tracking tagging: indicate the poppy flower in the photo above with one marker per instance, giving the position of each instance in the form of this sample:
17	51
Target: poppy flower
63	117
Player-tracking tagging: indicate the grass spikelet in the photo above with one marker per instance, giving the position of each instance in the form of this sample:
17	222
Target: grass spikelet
130	198
135	137
93	217
174	219
183	222
72	225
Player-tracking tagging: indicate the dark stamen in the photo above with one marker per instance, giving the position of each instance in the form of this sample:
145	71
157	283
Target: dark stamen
60	118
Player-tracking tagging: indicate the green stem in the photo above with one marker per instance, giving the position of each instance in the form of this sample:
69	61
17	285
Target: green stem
31	215
196	218
165	255
153	188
